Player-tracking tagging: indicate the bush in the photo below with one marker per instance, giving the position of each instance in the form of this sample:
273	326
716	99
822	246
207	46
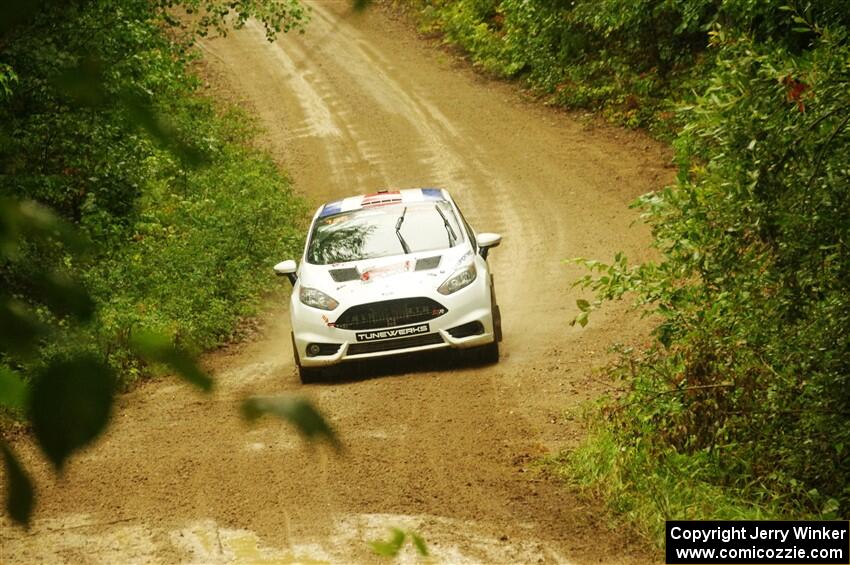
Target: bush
199	255
748	381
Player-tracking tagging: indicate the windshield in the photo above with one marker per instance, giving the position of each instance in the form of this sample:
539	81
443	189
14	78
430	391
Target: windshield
383	231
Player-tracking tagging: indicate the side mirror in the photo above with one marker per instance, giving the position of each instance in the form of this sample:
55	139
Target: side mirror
287	269
487	241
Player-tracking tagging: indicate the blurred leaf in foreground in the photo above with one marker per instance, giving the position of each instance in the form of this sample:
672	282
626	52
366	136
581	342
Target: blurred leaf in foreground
419	544
63	295
24	218
162	129
19	327
158	348
360	5
84	83
297	411
392	547
19	490
70	405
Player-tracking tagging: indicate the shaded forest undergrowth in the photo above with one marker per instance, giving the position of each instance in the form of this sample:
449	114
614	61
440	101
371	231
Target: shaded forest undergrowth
105	124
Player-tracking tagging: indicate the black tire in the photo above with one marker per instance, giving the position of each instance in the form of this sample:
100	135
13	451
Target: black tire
497	322
309	375
306	374
496	312
488	354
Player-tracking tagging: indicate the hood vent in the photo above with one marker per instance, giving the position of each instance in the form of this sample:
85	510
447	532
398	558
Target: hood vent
428	263
344	275
352	274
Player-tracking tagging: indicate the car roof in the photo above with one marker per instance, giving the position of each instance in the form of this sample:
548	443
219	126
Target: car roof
383	198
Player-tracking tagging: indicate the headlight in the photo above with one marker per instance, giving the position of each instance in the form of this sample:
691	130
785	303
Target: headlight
459	279
317	299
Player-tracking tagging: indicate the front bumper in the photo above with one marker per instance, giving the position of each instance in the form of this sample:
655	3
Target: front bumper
467	323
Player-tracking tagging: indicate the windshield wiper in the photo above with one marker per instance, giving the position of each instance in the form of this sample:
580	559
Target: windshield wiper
449	230
398	231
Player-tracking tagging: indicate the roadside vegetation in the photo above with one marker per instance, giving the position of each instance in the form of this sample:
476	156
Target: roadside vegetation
179	222
741	407
137	223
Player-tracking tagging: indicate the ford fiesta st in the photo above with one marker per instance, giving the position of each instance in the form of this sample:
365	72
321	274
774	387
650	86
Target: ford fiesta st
389	273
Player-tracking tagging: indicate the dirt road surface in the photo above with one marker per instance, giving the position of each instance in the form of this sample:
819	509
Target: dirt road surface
431	445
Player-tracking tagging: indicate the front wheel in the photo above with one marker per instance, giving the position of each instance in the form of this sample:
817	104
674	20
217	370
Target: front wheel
306	374
496	312
487	354
309	374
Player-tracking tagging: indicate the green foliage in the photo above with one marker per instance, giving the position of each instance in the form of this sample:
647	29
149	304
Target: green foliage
633	61
392	547
747	387
7	79
187	268
13	390
619	57
645	486
219	16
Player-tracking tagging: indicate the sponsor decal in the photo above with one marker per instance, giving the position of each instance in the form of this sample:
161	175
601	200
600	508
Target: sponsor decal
381	199
464	260
388	270
395	332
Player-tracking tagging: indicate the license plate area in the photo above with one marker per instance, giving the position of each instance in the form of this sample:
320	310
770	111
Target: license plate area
393	333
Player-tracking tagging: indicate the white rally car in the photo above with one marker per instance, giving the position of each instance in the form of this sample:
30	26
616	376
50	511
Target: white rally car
388	273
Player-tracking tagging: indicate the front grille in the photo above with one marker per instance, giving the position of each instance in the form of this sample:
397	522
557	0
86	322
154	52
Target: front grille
393	344
466	330
389	313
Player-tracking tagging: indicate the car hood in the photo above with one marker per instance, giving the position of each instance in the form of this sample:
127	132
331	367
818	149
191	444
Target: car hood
385	278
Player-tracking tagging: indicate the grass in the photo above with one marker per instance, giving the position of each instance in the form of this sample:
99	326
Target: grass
643	489
199	259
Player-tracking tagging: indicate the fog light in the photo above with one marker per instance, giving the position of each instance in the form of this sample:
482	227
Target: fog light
313	349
